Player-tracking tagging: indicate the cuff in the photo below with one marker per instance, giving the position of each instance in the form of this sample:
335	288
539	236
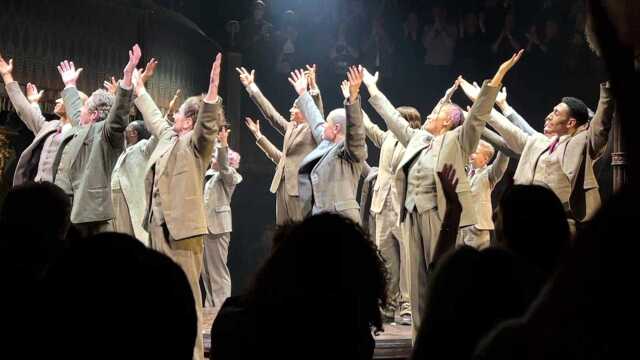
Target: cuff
507	111
218	100
252	88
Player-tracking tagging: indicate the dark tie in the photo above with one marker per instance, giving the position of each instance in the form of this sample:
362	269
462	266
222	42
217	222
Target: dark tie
554	145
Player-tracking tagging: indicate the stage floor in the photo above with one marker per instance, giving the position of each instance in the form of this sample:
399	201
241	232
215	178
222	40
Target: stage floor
393	343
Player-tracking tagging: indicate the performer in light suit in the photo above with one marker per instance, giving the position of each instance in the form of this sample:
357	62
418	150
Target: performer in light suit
329	175
444	139
222	181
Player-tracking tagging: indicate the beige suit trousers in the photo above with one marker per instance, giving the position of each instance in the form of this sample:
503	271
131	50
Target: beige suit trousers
121	215
215	274
419	230
288	208
390	241
187	253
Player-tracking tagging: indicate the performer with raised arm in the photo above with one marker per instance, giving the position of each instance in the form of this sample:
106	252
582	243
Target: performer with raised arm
298	143
483	179
175	217
36	161
329	175
127	179
563	156
86	156
222	180
385	207
444	139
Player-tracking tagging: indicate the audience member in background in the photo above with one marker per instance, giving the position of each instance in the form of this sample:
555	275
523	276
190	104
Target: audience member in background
541	246
342	53
256	35
36	161
287	49
410	48
471	48
508	41
110	297
87	155
439	40
221	181
127	179
378	49
34	226
335	288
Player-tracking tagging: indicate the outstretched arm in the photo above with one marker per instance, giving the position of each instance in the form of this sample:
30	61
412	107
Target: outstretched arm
210	115
307	106
398	125
512	114
498	168
355	139
70	95
373	131
314	90
275	119
31	116
272	152
601	123
118	117
226	172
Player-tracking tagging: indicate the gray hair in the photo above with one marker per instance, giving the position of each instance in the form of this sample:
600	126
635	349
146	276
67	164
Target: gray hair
338	116
101	102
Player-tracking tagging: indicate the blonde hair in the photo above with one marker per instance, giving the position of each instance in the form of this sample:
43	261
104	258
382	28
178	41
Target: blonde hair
487	148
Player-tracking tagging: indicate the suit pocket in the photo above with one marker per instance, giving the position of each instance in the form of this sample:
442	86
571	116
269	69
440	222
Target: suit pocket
346	205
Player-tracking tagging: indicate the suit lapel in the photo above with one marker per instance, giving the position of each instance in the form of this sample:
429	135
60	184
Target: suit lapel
292	136
82	137
415	146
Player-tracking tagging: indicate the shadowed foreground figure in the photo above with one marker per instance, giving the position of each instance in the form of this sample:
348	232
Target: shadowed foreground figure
111	297
323	271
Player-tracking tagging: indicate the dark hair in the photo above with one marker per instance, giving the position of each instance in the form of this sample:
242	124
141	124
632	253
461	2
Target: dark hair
533	224
469	293
139	127
326	258
577	109
129	294
412	115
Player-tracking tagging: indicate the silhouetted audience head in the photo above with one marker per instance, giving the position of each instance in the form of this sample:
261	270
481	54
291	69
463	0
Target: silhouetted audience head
471	291
111	297
532	223
34	222
324	278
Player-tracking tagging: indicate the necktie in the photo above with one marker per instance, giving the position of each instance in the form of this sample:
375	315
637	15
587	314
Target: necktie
554	145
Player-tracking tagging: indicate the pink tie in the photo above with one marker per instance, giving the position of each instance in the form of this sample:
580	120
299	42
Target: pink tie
554	145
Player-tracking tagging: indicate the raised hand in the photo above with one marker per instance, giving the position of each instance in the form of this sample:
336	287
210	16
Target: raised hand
470	90
299	81
68	73
310	73
254	127
138	85
355	76
173	102
214	79
6	68
368	79
149	70
33	95
246	78
344	86
505	67
501	99
134	58
223	136
450	91
111	86
449	184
